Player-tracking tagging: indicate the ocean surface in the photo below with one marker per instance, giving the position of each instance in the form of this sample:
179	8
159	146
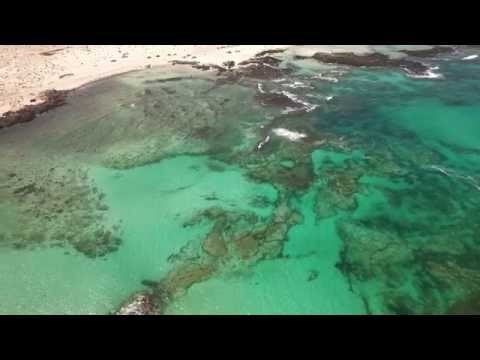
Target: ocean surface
361	198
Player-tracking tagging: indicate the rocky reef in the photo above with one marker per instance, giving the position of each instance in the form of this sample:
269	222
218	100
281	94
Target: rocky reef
56	206
236	241
371	60
397	203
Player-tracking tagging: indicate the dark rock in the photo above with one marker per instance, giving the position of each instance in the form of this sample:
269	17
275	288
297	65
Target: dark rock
211	197
312	275
272	51
149	283
27	189
229	64
201	67
436	50
65	75
53	98
102	207
370	60
183	62
264	60
163	80
301	57
349	58
277	100
261	71
51	52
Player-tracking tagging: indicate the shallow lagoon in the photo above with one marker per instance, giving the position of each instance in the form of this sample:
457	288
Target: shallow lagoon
374	211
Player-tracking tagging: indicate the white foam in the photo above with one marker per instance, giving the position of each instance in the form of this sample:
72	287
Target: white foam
307	106
260	88
326	78
429	74
470	57
290	135
262	143
452	173
298	84
443	171
289	109
328	98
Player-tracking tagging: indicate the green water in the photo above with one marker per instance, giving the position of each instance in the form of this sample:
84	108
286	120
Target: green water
137	182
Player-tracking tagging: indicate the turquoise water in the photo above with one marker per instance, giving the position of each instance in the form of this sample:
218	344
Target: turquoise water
160	188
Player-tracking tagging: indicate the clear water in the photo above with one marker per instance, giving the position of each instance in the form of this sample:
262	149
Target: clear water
375	211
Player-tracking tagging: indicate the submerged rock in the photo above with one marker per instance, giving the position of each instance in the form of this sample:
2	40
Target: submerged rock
312	275
138	304
214	245
467	306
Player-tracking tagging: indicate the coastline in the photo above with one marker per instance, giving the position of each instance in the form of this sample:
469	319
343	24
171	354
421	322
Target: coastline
27	72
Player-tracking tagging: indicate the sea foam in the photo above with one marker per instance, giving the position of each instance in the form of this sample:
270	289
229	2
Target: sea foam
290	135
470	57
429	74
306	105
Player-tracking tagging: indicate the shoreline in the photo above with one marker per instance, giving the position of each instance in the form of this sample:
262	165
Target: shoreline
30	75
27	72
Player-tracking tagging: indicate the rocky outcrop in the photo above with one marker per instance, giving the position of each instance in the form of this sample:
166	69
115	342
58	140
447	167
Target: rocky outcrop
436	50
51	99
380	60
138	304
271	51
370	60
